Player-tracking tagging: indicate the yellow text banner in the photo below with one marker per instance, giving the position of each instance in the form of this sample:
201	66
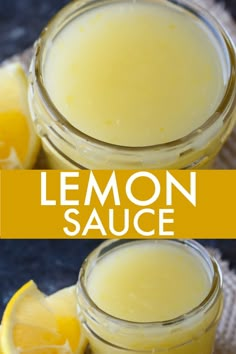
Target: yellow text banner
118	204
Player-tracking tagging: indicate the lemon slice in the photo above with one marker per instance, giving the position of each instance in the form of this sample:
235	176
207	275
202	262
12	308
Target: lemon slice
64	306
19	144
32	324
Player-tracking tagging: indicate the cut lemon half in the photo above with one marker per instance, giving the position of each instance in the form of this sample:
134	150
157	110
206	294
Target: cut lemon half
19	144
33	324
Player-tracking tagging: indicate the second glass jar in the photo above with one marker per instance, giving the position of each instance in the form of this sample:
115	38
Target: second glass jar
193	332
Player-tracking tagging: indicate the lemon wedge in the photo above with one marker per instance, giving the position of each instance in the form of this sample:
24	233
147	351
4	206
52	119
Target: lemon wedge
19	144
35	324
64	305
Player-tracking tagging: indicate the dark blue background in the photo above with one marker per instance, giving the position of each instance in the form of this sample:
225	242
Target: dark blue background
52	264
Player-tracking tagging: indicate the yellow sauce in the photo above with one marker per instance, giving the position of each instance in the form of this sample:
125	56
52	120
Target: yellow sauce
149	283
135	74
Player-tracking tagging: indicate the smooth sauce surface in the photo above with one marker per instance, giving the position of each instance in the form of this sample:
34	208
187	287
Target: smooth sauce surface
149	282
134	74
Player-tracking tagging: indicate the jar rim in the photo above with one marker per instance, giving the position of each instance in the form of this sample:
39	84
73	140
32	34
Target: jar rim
221	110
208	301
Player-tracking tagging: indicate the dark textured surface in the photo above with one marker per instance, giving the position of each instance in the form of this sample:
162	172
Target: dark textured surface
21	22
231	6
52	264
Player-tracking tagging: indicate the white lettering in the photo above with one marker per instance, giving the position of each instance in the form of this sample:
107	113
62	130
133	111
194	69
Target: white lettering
66	187
136	222
94	217
76	224
155	195
171	181
163	220
111	186
44	200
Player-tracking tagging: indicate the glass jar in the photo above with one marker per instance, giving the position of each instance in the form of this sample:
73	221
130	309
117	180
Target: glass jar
192	332
68	148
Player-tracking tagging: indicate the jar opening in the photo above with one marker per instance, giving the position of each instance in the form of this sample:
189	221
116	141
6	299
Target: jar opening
112	246
75	9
